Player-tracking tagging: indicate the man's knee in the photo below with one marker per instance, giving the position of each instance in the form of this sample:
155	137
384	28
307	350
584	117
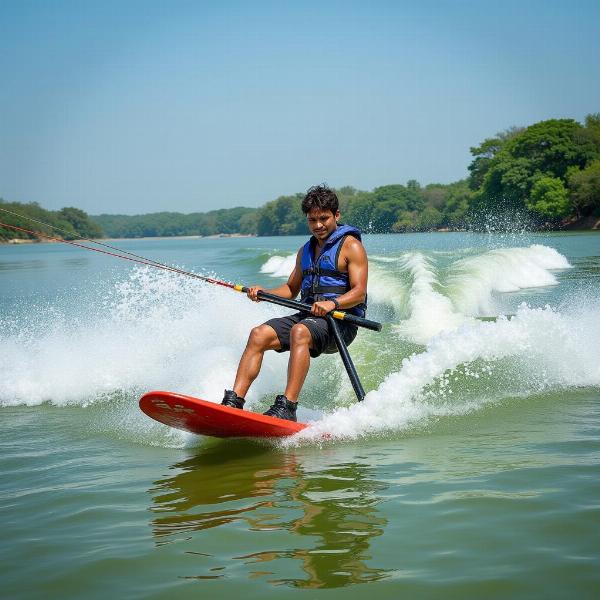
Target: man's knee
300	335
262	337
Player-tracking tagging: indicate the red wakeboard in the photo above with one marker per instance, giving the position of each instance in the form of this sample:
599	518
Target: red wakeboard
207	418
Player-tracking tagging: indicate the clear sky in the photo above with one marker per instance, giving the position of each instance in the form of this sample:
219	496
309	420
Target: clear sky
142	106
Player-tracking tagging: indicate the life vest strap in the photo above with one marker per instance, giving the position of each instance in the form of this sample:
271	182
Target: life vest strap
324	272
325	289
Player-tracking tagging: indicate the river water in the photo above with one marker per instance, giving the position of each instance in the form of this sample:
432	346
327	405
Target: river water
471	469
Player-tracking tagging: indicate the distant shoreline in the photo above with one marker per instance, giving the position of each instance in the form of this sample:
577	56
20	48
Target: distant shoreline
184	237
588	227
20	241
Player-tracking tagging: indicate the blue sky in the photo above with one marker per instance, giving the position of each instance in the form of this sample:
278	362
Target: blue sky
136	107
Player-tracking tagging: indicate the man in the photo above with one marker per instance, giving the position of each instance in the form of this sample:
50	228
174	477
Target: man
330	273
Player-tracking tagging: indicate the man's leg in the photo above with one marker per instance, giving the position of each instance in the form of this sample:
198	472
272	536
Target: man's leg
300	344
261	339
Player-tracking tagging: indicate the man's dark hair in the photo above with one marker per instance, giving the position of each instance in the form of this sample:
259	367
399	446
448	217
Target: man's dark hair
320	196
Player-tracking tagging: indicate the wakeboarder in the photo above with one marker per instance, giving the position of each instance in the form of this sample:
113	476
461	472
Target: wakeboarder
330	273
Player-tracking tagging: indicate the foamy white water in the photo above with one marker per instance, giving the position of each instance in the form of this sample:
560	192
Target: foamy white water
279	266
155	330
471	286
385	287
541	348
431	312
473	280
431	300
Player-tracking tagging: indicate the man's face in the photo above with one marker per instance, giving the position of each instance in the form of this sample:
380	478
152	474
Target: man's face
322	222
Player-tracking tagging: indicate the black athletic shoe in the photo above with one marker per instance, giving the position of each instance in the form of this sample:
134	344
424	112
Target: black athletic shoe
282	409
231	399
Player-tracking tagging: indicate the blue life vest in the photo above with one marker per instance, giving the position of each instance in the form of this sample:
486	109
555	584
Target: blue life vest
321	279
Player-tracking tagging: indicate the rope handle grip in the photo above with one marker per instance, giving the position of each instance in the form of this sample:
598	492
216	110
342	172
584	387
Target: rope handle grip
336	314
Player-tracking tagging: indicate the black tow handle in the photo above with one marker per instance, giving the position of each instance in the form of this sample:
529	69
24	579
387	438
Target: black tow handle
336	314
331	319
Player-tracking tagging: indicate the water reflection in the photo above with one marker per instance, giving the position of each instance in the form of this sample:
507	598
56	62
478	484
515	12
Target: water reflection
76	263
585	267
327	508
23	265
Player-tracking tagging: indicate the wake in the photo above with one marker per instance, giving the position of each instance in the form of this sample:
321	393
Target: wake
537	350
155	330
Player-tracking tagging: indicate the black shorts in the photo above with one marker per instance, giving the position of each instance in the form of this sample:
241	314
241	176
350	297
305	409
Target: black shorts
323	340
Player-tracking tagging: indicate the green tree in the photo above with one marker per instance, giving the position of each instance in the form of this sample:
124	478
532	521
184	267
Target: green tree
391	193
405	222
549	199
347	191
592	131
429	218
70	222
282	217
458	205
435	194
485	153
359	211
389	201
553	146
584	185
249	222
414	196
545	149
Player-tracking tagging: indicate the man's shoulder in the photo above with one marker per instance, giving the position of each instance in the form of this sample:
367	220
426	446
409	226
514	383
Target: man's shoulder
353	248
351	241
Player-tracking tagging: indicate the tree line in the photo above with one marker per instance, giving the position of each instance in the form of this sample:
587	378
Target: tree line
70	222
545	175
549	171
167	224
390	208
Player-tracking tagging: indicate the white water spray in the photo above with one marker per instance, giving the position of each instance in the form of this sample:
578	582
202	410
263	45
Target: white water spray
544	349
156	330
